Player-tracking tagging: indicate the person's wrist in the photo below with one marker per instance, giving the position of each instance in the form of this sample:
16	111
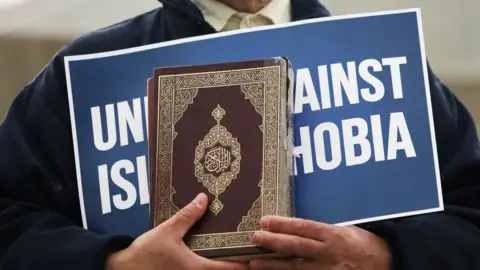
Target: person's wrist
383	258
118	261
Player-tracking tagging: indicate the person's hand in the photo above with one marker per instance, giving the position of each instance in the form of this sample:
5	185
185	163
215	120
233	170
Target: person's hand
318	246
162	248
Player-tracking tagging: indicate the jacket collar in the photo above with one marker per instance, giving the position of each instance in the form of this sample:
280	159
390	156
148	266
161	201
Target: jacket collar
308	9
301	9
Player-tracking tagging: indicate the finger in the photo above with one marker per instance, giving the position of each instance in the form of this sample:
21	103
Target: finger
288	244
184	219
272	264
295	226
207	264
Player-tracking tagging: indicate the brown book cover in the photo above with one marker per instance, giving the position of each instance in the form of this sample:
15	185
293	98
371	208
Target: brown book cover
225	130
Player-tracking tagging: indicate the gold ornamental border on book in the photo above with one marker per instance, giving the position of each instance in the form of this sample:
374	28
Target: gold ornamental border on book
175	93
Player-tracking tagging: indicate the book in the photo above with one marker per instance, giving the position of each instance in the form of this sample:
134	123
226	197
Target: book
225	130
364	136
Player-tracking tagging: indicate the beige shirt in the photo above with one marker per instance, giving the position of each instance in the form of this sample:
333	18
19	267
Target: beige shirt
224	18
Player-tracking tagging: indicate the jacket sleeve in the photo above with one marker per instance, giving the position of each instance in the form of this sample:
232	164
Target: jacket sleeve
448	240
40	225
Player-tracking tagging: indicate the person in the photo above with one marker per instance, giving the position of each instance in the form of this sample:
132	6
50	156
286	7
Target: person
40	222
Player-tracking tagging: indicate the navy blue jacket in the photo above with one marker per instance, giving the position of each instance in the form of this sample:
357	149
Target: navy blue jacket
40	224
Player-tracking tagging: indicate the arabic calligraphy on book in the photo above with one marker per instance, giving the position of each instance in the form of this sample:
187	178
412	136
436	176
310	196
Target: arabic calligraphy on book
217	171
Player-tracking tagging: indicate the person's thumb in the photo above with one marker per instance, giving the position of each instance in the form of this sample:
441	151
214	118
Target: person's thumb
184	219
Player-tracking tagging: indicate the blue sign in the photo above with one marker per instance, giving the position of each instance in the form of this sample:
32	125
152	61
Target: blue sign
364	136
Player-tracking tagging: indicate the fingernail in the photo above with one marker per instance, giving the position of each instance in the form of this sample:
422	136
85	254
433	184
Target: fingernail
265	223
198	201
257	237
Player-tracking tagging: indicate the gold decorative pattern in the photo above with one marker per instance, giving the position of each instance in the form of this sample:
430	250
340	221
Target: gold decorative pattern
174	207
220	240
182	100
267	203
163	199
253	92
214	167
251	222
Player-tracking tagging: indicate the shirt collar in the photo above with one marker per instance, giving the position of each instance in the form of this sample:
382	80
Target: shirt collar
278	11
215	12
218	13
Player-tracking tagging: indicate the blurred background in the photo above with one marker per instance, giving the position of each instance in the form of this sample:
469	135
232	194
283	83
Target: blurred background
31	31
